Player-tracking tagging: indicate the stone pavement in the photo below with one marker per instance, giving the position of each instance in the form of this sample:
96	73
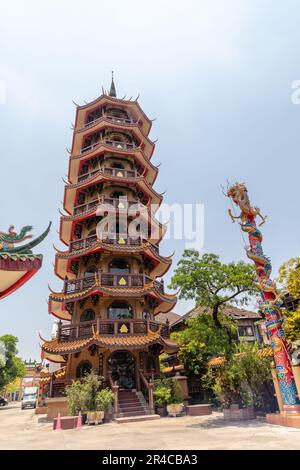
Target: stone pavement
25	430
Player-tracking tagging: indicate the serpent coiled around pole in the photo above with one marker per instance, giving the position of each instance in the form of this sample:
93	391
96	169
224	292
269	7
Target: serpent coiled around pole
270	304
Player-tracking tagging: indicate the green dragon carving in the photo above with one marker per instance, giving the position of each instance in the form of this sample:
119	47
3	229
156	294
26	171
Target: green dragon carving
9	239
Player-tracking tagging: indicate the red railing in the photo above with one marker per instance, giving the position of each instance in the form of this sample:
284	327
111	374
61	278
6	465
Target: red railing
110	280
123	327
115	239
115	172
115	119
111	143
117	203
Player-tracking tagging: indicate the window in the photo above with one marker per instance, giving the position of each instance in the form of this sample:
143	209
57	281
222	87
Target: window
119	266
119	311
146	315
117	194
246	331
87	315
83	369
117	165
90	271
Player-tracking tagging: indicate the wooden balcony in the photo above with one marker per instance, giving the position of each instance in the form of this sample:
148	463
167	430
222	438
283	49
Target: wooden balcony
82	208
117	203
110	143
114	172
114	119
115	239
123	327
120	281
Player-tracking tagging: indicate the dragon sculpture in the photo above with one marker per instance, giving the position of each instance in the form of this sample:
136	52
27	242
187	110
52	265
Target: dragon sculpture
9	239
270	304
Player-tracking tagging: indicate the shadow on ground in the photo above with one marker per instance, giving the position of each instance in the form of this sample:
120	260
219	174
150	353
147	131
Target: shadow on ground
220	422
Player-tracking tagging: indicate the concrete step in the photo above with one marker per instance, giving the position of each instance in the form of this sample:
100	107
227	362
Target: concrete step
133	419
137	410
128	400
131	414
132	404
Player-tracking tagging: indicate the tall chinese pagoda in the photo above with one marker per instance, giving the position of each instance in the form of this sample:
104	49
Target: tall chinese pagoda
111	268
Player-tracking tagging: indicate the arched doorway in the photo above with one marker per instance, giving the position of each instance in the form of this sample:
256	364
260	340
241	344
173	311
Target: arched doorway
121	364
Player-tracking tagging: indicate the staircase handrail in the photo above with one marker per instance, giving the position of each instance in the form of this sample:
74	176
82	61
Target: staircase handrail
149	386
115	389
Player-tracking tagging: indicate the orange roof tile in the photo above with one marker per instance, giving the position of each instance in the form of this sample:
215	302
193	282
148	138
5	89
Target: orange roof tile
112	341
218	361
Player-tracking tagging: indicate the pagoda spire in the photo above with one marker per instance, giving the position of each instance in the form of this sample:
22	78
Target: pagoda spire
112	91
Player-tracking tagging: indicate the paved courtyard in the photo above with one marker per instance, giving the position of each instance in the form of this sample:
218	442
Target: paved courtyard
24	430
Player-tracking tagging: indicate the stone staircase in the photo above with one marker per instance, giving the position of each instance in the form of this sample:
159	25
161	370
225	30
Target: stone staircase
133	407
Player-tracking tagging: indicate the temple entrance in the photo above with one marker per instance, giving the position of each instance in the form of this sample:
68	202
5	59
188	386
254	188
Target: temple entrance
122	367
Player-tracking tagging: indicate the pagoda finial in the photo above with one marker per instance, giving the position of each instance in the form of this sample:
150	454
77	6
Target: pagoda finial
112	91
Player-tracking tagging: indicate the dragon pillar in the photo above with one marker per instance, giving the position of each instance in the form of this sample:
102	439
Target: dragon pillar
270	303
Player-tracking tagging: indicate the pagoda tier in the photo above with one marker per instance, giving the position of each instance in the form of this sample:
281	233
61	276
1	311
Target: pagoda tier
85	218
104	178
111	294
141	249
81	164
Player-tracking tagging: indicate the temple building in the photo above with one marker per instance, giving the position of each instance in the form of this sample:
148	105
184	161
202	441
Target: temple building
112	267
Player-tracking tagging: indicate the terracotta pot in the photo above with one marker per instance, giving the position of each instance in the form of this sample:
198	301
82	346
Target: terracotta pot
107	416
95	417
175	409
161	410
234	413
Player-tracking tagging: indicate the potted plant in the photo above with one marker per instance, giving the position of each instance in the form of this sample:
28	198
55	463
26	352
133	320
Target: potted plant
162	395
92	386
86	396
104	400
76	396
174	404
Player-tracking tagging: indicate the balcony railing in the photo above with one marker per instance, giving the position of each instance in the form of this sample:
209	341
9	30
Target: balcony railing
82	208
117	120
124	327
115	239
120	281
117	203
111	143
119	172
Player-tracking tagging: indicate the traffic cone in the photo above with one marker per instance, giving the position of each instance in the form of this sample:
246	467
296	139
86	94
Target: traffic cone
58	423
79	421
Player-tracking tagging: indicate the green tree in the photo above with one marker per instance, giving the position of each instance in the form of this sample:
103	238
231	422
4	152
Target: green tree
212	283
11	366
289	278
201	340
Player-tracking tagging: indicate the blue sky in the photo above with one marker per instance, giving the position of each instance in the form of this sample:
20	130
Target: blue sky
216	74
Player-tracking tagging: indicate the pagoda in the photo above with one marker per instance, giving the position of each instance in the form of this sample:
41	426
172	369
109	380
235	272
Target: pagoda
112	265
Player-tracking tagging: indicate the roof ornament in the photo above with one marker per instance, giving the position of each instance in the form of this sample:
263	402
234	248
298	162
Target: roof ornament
112	91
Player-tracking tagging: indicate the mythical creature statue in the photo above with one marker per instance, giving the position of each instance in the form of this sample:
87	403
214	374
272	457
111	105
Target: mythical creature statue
270	303
9	239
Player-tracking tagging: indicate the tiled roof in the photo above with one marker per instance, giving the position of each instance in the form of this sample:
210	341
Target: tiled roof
234	312
171	316
116	291
218	361
20	256
111	341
